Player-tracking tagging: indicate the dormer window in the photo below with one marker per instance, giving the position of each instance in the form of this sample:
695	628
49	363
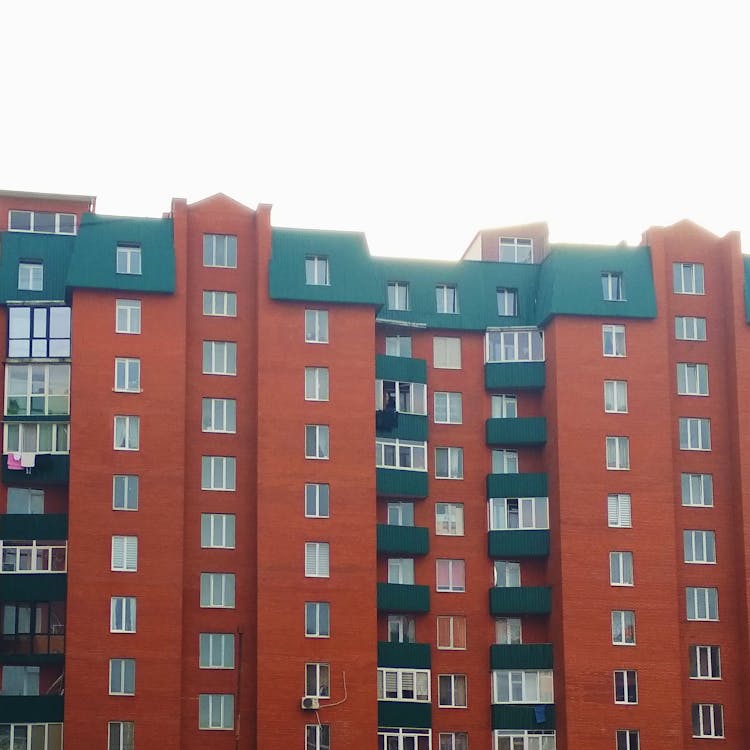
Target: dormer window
129	259
516	250
30	276
46	222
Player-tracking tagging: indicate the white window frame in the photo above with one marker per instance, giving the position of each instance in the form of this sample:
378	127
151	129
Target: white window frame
317	270
317	442
218	530
508	631
317	500
628	691
504	461
697	490
125	491
446	352
219	473
695	433
316	326
220	304
451	687
623	627
25	501
699	546
36	437
406	455
689	328
30	276
220	358
124	554
408	397
25	390
128	316
621	568
507	302
400	570
33	557
613	341
628	739
127	375
453	741
456	575
219	415
446	299
707	720
534	686
449	462
398	346
613	288
400	513
129	260
218	710
688	278
401	629
616	396
317	620
32	221
398	295
531	739
517	513
121	735
449	519
692	379
619	511
219	251
515	250
617	452
705	662
316	384
317	736
317	680
454	630
514	345
122	676
216	651
702	603
448	407
123	613
507	574
128	428
317	560
412	685
504	406
217	590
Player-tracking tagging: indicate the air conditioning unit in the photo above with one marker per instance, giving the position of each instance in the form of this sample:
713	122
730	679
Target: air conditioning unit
310	704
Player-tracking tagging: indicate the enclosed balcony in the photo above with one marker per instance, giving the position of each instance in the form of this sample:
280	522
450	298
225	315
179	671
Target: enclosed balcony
33	557
403	597
520	600
516	431
514	543
31	693
52	468
33	632
405	540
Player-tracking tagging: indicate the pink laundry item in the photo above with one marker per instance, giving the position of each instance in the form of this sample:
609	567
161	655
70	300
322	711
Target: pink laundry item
14	461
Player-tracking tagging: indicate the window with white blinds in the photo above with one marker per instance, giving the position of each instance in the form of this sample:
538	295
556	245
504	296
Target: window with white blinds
404	684
316	560
618	511
125	553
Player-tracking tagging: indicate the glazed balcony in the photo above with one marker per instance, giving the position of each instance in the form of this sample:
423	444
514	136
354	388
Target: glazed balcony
25	558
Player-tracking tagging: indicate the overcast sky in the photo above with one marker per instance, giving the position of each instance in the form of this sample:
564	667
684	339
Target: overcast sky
416	122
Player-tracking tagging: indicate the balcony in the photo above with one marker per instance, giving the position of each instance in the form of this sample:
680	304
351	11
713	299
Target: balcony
516	485
414	655
516	431
34	587
49	468
518	543
406	540
520	600
514	375
404	714
521	656
407	427
31	558
34	526
403	597
408	369
401	483
507	716
31	709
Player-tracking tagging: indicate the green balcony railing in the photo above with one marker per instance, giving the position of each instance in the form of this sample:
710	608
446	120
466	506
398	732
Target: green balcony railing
401	483
521	656
48	469
516	485
515	375
34	526
30	709
520	600
405	714
403	597
518	543
405	540
29	587
409	427
408	369
516	431
505	716
413	655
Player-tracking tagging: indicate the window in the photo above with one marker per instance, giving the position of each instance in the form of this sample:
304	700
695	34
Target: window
121	735
124	492
316	270
449	519
36	437
507	302
708	720
451	632
316	441
125	553
523	739
122	614
623	627
518	513
508	630
217	590
401	513
516	250
446	298
446	353
400	454
504	406
317	619
46	222
401	570
31	276
515	346
695	434
507	574
38	331
613	341
317	500
453	741
129	259
128	316
398	346
688	278
219	415
504	461
618	453
449	463
398	295
401	629
403	396
621	568
37	390
612	287
698	489
702	603
217	530
316	383
220	303
690	329
218	473
316	326
699	546
451	575
448	408
25	501
616	396
20	680
219	251
618	511
219	358
626	686
215	711
216	651
705	663
128	375
404	685
317	680
122	676
692	379
522	686
317	737
452	690
627	739
316	560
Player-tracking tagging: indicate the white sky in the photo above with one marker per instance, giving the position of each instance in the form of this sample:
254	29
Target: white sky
416	122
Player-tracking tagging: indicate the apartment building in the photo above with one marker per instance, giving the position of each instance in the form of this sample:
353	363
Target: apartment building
264	490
